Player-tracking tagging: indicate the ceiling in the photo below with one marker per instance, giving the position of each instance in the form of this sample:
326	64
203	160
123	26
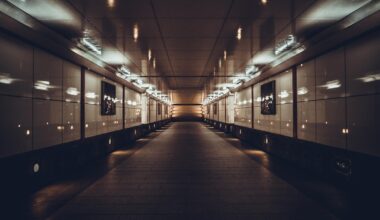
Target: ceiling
188	38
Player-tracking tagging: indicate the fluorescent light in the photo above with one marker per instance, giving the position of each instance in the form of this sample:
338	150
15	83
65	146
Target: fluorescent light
285	44
91	44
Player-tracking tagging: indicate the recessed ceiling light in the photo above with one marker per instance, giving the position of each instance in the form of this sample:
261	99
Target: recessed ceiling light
111	3
149	54
264	2
239	33
135	32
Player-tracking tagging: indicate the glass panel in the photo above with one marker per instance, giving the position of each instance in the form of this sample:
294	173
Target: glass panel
91	118
47	76
92	88
287	120
47	123
71	121
16	68
16	125
363	66
284	90
306	126
330	75
306	81
244	98
331	120
71	82
363	123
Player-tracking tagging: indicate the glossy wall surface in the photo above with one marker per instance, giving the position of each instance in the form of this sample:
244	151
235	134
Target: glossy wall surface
132	103
243	108
282	121
39	95
95	123
222	110
337	99
152	110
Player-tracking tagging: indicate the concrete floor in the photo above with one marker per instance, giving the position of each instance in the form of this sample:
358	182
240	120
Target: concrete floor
190	172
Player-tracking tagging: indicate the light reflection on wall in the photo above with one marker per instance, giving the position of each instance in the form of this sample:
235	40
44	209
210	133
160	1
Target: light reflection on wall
54	12
326	12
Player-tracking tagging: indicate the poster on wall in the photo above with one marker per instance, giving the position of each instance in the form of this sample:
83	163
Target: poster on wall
108	101
268	98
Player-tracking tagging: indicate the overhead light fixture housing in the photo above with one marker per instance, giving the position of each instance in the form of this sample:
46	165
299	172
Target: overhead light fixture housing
91	44
288	43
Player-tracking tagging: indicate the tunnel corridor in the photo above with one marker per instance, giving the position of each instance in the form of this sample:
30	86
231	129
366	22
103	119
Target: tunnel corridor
189	109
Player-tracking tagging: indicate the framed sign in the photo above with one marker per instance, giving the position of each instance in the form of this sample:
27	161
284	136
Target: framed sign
108	99
268	98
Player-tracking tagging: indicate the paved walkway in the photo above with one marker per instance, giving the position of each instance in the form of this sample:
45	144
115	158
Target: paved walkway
189	172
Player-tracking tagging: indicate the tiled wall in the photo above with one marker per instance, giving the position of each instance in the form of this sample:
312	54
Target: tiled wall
222	110
159	111
230	113
243	108
95	123
39	95
152	110
338	97
282	121
144	109
215	111
132	101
